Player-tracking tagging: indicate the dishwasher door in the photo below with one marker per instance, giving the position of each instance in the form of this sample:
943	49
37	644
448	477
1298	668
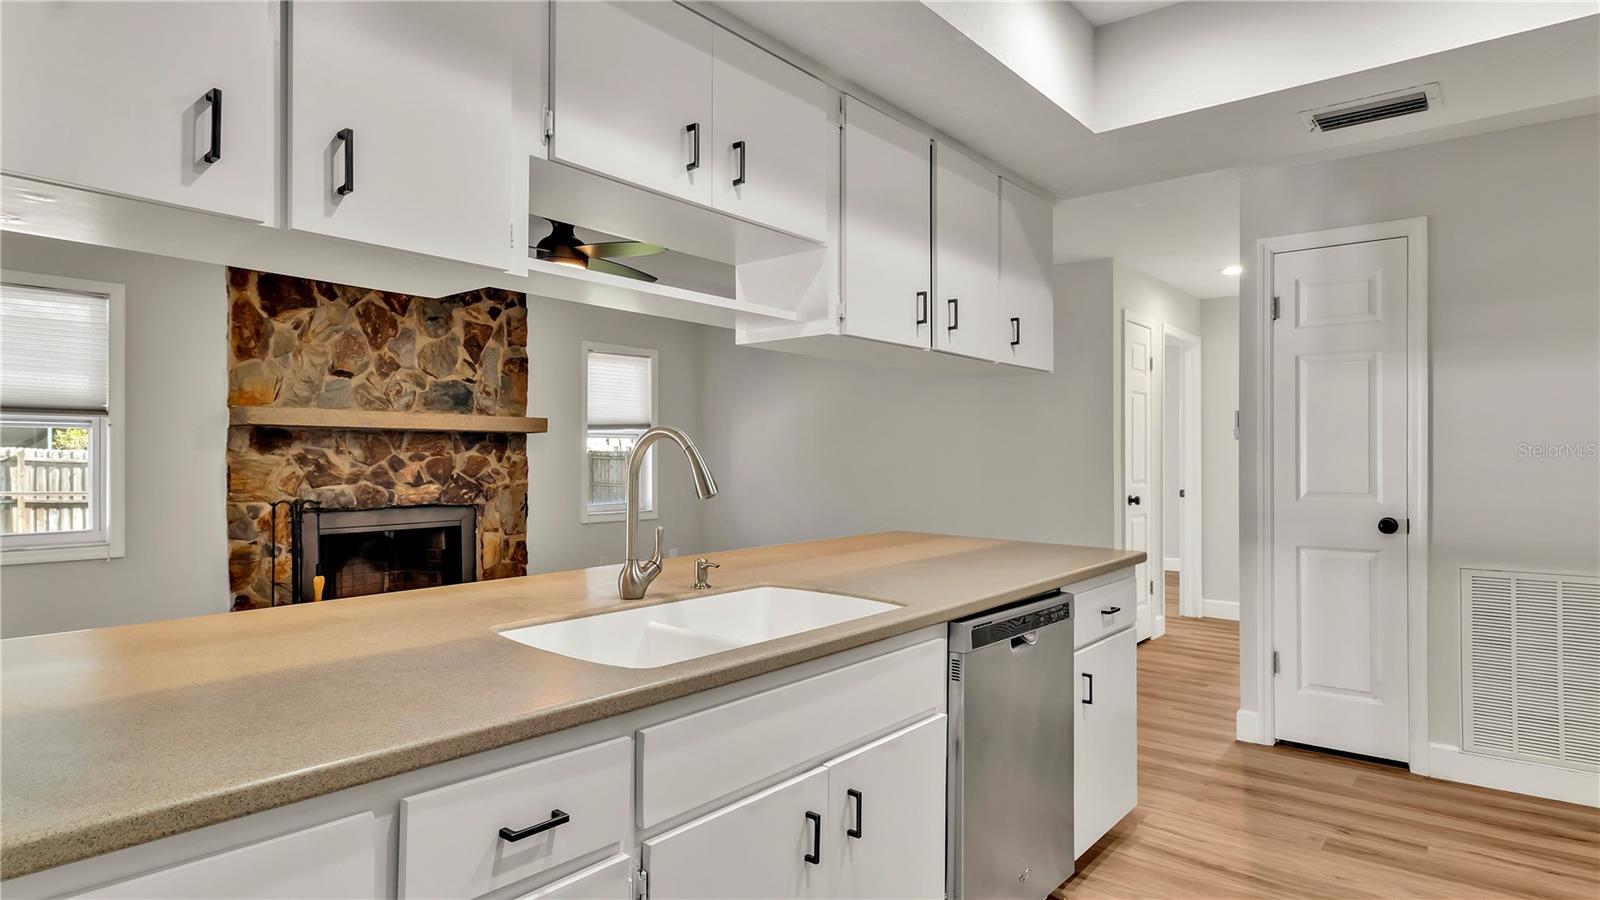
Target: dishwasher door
1010	781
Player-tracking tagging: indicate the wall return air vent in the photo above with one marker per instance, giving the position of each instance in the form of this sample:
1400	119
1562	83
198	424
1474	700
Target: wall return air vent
1405	102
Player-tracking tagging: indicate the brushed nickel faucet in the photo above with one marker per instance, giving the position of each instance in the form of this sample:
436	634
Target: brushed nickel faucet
636	574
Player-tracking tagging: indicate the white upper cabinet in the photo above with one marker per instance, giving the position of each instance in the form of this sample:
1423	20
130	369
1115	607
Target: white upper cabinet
886	217
1025	291
968	316
631	94
773	136
170	102
401	126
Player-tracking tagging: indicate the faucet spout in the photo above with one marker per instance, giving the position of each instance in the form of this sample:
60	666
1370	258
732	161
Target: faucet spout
636	574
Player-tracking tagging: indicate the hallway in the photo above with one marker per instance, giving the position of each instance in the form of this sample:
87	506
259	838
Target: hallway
1217	818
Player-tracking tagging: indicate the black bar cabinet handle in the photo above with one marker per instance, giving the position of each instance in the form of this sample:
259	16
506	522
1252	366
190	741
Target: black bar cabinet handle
815	856
1016	331
954	307
1110	610
694	160
738	147
922	307
1088	688
214	97
861	812
347	137
557	818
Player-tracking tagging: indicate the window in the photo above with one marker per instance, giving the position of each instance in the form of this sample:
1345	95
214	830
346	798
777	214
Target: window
619	405
60	455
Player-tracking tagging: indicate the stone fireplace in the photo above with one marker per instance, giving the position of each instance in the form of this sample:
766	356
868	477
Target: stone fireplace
375	509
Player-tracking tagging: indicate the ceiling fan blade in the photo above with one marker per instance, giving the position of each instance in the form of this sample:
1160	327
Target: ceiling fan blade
608	249
610	268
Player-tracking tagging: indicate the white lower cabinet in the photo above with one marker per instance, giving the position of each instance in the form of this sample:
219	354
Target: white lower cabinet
772	845
338	859
608	880
886	816
1105	737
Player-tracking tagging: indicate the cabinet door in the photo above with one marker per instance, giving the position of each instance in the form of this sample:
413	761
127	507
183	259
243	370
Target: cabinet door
339	859
773	137
968	316
401	124
886	816
772	845
1105	743
113	97
1025	291
887	210
611	879
632	94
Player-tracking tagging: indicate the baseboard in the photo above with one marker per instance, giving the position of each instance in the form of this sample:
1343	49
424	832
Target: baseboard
1247	726
1172	563
1450	763
1220	609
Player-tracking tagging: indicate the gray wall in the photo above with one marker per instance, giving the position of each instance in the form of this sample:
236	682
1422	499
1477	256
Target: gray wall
807	448
175	426
1219	460
1514	325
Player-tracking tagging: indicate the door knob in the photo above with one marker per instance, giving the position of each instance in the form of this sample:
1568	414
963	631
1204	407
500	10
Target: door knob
1388	525
1133	499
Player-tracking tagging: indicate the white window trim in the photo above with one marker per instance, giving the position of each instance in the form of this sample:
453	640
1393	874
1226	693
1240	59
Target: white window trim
586	514
110	481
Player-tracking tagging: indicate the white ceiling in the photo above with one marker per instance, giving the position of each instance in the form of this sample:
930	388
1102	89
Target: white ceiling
1104	12
1182	231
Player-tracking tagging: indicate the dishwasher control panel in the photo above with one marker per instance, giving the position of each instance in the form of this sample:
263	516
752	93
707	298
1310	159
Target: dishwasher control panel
1002	629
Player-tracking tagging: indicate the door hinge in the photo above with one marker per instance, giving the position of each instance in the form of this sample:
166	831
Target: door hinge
1274	309
641	884
1181	494
1408	526
1152	586
1236	424
549	124
1274	662
841	310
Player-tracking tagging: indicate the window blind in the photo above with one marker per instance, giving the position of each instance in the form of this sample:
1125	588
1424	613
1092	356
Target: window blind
619	391
55	350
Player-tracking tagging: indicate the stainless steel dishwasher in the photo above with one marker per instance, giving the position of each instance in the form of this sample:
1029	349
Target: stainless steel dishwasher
1010	759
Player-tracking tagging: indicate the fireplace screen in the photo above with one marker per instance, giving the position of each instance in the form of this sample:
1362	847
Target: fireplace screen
375	551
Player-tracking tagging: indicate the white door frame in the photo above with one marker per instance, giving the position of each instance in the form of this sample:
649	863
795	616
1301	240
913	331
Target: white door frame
1417	474
1190	549
1156	598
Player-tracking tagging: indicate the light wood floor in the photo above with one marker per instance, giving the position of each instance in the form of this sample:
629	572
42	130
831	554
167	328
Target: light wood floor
1218	818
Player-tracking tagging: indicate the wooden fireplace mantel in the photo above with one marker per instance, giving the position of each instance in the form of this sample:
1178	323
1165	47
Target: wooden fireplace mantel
371	420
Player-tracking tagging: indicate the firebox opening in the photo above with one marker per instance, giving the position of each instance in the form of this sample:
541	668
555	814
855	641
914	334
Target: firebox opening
376	551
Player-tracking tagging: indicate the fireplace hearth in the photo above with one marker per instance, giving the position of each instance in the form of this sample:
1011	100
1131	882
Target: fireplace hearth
377	551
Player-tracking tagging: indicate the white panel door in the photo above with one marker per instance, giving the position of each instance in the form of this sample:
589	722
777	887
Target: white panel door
631	89
1338	471
773	138
968	316
887	217
1142	502
771	845
401	126
1105	738
116	97
1025	291
886	809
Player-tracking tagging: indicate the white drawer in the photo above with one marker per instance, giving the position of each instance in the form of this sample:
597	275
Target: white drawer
691	761
611	879
336	860
450	842
1103	610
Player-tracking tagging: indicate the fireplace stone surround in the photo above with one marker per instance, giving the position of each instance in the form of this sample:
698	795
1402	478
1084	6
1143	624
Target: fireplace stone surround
301	343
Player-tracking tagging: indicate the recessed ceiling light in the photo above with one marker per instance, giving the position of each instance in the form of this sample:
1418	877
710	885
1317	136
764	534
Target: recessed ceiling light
1232	270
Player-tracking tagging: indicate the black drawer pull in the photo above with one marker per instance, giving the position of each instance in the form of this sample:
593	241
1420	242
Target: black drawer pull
1110	610
1088	688
815	856
557	818
694	132
347	137
861	812
214	98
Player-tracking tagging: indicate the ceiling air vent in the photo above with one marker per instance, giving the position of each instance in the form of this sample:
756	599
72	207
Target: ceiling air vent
1372	109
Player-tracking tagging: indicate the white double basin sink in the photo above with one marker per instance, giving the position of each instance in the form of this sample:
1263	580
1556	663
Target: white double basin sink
645	637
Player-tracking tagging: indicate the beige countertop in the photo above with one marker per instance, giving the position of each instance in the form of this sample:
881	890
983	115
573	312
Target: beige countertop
116	736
